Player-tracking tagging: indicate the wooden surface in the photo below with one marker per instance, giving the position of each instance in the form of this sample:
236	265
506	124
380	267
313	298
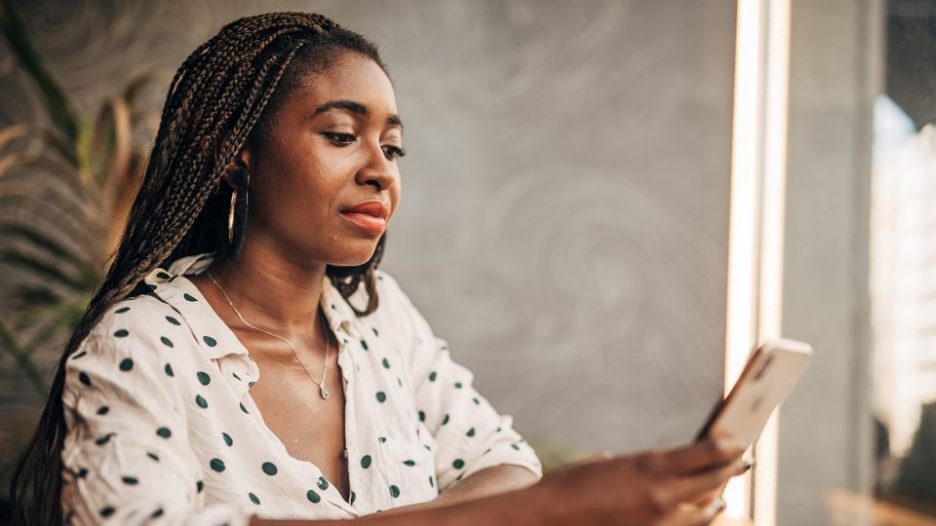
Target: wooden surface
846	508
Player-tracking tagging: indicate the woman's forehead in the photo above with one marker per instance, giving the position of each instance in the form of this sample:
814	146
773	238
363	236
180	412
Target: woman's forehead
350	77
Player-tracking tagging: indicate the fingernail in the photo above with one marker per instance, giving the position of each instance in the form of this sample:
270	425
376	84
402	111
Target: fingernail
747	465
718	507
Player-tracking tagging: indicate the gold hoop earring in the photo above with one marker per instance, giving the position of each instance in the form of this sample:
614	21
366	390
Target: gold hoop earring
237	213
231	217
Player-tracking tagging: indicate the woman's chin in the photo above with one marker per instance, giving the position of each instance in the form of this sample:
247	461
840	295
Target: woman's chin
353	260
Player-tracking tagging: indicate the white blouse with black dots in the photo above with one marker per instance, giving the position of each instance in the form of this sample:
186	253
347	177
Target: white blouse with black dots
162	428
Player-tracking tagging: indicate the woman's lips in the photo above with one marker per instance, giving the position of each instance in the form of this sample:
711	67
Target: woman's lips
372	224
370	215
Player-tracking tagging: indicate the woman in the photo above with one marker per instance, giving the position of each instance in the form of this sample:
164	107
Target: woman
244	361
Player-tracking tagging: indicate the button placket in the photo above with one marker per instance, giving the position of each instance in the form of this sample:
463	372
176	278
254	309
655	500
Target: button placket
238	373
345	362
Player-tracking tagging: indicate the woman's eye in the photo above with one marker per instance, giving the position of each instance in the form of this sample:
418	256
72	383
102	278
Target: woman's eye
340	138
344	139
394	152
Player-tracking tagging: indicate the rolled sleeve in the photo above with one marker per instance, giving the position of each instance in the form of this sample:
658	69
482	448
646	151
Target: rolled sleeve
470	434
126	457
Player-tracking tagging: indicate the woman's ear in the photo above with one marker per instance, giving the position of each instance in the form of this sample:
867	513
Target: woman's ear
236	173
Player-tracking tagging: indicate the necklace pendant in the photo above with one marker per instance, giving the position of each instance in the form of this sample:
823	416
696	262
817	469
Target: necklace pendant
324	390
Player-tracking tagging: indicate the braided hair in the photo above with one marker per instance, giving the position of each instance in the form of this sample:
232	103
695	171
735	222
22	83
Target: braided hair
220	100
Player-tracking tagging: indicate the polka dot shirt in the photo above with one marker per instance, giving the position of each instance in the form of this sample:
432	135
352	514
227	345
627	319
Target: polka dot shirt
162	427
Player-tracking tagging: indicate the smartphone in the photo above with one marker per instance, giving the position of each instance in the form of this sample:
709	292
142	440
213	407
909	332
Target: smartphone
768	377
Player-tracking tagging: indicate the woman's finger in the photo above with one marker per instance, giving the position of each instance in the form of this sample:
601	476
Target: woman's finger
707	498
712	511
705	515
700	456
688	488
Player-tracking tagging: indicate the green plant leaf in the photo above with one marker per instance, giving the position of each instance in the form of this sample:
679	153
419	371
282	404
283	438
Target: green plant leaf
49	137
10	344
36	295
136	85
38	161
53	96
109	149
42	241
58	323
48	213
40	268
68	306
35	177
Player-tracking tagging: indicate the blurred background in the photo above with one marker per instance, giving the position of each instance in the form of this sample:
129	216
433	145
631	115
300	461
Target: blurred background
589	189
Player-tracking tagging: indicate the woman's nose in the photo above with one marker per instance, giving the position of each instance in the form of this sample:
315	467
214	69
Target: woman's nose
382	179
379	171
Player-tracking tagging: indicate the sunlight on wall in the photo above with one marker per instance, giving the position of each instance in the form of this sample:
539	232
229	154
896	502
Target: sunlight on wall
755	267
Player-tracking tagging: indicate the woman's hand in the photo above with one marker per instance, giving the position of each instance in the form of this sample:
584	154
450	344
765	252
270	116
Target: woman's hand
655	488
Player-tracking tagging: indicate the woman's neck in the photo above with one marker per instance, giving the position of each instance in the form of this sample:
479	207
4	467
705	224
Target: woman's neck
270	291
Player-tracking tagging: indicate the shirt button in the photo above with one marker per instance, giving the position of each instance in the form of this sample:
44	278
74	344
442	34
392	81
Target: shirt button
345	453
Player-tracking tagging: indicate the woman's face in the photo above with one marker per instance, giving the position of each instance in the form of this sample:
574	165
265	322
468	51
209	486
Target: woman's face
331	146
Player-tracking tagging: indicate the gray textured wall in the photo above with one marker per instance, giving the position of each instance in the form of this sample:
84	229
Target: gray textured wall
564	220
825	427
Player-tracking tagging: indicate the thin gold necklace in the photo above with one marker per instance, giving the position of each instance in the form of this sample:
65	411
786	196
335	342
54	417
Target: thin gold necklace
323	389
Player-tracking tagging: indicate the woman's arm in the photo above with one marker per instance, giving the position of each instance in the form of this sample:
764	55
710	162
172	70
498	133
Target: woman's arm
470	435
127	457
656	487
484	483
512	507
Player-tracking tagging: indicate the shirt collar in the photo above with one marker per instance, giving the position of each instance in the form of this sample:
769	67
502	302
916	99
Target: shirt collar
218	340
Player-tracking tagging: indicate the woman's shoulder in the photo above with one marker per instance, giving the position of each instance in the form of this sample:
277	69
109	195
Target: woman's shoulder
135	317
140	328
391	320
393	304
386	284
396	312
130	341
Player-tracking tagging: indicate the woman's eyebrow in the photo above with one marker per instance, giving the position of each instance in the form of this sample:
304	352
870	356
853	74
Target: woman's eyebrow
356	108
